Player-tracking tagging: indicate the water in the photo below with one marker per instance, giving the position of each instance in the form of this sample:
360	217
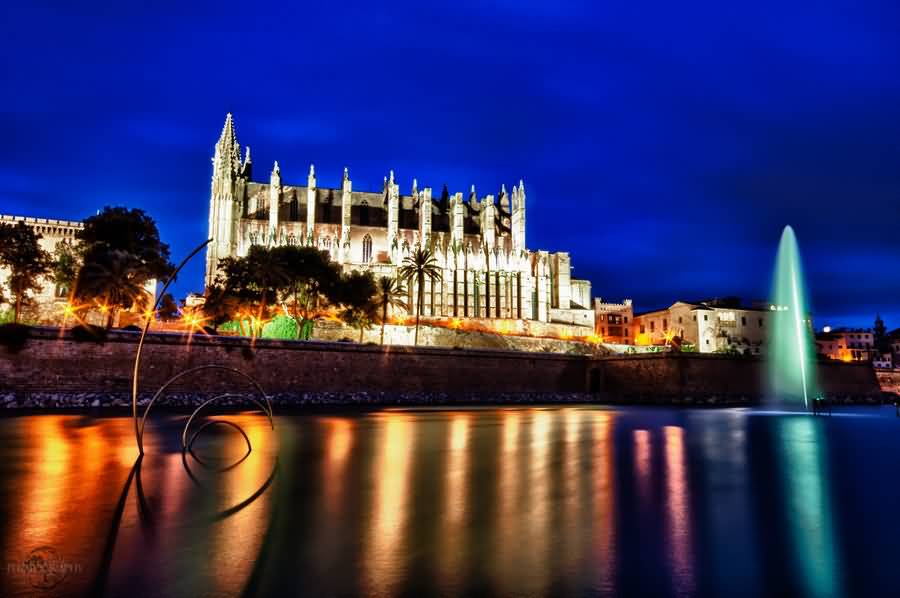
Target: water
791	346
500	501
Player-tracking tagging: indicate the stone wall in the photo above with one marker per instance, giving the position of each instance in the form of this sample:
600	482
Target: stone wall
52	365
889	380
698	375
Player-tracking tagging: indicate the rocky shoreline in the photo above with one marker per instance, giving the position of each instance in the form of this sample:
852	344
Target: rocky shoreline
108	400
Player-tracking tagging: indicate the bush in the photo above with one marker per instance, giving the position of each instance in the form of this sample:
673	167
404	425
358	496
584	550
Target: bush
14	336
89	334
281	327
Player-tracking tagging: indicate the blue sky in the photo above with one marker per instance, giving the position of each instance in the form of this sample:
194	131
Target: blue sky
663	144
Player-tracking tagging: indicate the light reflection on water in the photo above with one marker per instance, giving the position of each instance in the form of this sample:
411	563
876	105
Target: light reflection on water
503	501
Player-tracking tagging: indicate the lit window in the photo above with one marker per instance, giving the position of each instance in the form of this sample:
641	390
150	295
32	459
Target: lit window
367	249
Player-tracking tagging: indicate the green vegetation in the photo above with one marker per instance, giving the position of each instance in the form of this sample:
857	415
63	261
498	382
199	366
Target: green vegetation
299	281
27	262
416	268
391	295
121	251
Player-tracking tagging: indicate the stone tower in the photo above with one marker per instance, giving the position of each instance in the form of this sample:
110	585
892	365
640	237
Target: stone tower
224	210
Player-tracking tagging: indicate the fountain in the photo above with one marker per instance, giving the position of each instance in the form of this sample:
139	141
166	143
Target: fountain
792	375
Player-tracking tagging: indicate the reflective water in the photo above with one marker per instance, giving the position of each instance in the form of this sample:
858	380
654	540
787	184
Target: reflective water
509	501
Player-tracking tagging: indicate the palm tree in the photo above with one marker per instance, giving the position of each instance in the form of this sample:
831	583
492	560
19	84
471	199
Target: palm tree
390	295
418	266
113	277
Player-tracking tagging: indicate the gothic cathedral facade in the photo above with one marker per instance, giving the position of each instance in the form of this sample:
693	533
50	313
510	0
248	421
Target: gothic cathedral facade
488	270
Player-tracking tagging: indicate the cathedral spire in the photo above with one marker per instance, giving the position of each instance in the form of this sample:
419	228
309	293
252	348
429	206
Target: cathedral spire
228	135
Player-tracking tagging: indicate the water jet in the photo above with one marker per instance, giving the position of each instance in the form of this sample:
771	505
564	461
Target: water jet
791	361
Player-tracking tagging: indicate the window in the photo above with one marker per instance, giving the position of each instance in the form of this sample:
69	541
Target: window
626	319
760	322
642	329
665	323
364	214
695	317
327	243
706	319
367	249
743	320
652	325
679	319
626	333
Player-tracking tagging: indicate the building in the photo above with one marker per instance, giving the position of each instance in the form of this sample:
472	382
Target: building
847	344
48	301
883	361
708	326
614	321
479	241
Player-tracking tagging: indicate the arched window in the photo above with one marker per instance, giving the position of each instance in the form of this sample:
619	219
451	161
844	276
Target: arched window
364	213
367	249
327	243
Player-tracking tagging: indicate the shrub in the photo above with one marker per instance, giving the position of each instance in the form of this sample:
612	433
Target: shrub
89	334
14	336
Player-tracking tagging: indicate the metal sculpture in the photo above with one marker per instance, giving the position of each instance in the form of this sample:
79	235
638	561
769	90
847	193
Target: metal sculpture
265	406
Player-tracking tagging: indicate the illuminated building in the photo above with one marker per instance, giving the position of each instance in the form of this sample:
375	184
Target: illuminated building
478	241
614	321
846	344
710	326
50	303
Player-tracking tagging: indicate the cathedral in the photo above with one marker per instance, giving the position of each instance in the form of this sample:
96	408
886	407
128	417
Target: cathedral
479	242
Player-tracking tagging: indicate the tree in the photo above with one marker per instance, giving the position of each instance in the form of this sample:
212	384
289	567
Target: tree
252	281
113	278
129	231
220	305
356	294
119	246
310	276
168	308
66	263
880	338
27	262
417	267
390	294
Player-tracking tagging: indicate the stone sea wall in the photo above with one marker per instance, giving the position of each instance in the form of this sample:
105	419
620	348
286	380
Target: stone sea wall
56	370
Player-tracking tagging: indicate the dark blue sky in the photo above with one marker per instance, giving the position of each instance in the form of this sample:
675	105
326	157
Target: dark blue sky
663	144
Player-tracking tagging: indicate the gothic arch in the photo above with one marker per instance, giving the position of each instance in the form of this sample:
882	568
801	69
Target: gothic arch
367	249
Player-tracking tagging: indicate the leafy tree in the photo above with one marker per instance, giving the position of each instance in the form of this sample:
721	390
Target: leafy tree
66	262
880	338
390	294
119	246
168	308
416	268
113	278
356	293
253	280
310	276
219	305
130	231
27	262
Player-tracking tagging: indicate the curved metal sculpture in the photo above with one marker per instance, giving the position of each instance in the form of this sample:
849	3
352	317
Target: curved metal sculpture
265	406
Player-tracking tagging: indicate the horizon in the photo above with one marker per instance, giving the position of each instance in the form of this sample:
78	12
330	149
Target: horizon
666	169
